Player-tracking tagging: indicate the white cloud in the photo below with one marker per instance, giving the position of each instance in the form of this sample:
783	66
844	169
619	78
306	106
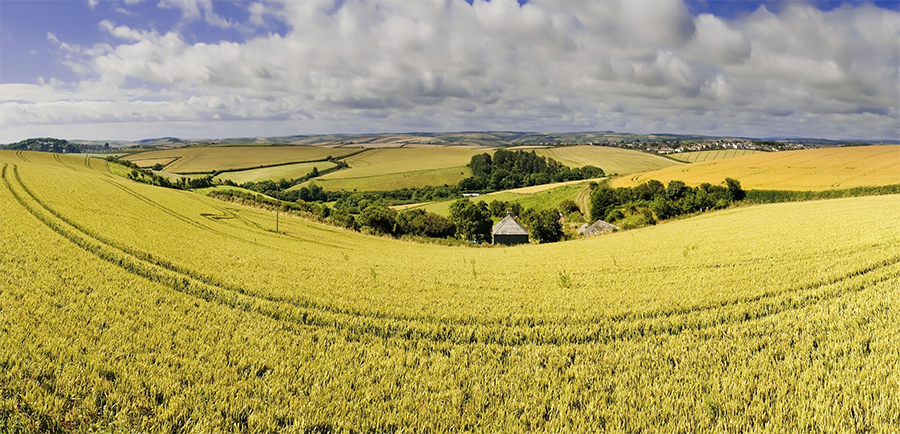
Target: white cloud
125	12
123	32
444	64
196	9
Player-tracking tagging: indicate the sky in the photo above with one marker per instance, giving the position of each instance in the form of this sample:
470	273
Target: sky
133	69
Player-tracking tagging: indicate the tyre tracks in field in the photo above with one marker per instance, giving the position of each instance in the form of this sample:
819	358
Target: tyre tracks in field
523	331
186	219
60	161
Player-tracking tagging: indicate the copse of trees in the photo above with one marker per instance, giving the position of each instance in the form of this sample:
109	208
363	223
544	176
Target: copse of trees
378	218
498	208
472	219
652	201
426	224
513	169
543	226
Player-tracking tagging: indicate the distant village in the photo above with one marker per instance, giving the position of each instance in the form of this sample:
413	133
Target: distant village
672	147
676	146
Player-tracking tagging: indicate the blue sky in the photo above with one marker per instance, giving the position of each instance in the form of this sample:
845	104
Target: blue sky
198	68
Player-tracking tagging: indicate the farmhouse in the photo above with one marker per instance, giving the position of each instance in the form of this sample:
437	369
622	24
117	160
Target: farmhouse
509	232
598	227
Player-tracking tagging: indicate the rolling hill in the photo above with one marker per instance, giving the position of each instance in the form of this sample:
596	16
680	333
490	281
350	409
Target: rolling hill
611	160
127	307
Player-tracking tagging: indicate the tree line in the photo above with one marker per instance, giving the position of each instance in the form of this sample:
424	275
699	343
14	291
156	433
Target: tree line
652	201
147	176
46	144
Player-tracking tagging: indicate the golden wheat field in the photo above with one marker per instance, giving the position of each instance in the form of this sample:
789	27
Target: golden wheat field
811	169
131	308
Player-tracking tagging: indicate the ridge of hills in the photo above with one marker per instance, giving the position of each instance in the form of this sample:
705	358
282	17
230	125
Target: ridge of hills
470	138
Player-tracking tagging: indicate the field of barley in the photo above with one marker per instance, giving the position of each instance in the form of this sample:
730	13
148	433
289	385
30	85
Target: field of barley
131	308
813	169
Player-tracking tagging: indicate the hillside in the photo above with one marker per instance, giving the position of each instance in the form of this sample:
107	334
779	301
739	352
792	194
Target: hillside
206	159
128	307
393	168
611	160
539	197
703	156
813	169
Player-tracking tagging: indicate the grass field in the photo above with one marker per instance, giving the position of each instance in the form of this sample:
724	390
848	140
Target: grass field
718	154
275	173
393	168
213	158
131	308
611	160
813	169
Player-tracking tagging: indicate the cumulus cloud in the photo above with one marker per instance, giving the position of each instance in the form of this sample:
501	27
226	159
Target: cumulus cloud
391	65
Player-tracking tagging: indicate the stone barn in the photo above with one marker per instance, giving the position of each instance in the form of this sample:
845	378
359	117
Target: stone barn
599	227
509	232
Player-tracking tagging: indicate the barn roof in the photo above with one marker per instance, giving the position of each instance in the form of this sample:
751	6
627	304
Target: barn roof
508	226
599	226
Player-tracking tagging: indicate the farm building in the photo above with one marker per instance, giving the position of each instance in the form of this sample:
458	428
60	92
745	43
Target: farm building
509	232
599	227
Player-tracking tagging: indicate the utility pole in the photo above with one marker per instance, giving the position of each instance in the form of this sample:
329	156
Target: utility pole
276	219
